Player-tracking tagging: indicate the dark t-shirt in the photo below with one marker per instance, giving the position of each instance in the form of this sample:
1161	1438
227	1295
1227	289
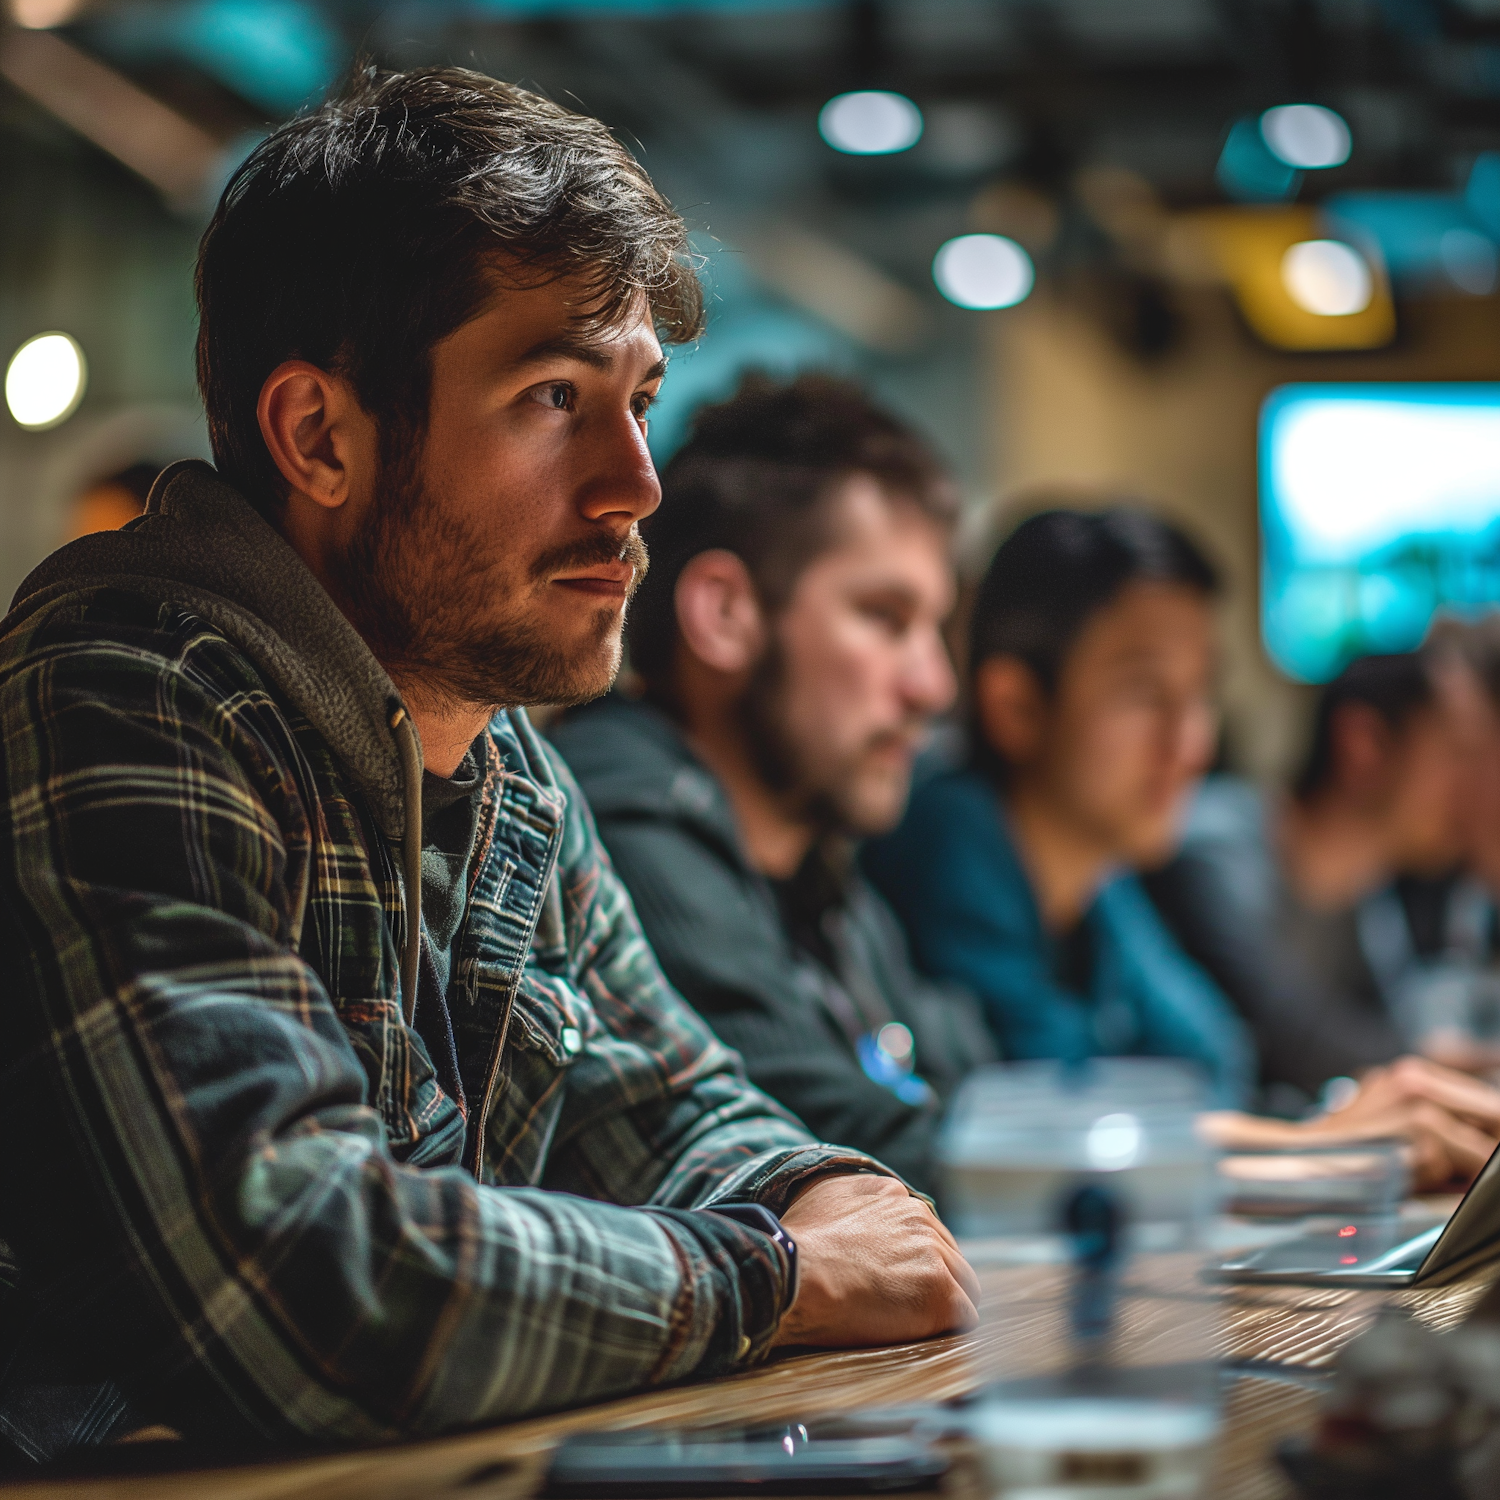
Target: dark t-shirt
450	816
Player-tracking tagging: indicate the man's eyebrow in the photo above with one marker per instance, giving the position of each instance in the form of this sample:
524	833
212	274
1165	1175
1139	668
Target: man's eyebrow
594	353
586	351
1137	656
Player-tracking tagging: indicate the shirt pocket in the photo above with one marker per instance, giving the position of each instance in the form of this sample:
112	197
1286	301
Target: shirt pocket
551	1018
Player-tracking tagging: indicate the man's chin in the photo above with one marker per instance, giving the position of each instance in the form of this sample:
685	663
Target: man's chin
1150	847
871	805
526	666
584	679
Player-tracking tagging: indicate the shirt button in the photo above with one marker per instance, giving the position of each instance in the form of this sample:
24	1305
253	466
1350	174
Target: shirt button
571	1041
744	1348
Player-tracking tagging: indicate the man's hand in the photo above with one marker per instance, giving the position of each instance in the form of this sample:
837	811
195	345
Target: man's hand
875	1266
1449	1121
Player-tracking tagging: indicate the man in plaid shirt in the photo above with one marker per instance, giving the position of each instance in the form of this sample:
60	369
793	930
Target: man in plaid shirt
343	1098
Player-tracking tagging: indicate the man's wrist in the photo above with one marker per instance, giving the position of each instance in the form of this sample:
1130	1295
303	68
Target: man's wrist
758	1217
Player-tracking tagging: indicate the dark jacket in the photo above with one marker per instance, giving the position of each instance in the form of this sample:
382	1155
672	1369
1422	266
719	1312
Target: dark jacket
235	1194
1301	978
796	977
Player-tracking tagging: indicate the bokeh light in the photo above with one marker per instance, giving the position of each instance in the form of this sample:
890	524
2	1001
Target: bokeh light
983	271
870	123
45	380
1306	136
41	15
1328	278
1470	261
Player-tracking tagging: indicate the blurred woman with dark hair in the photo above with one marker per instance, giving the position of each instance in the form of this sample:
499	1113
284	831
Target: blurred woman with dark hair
1090	672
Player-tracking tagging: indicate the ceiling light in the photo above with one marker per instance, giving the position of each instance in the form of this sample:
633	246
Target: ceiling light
983	271
870	123
1306	136
1328	278
40	15
45	380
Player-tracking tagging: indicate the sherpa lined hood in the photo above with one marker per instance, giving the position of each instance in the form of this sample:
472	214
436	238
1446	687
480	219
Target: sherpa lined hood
202	545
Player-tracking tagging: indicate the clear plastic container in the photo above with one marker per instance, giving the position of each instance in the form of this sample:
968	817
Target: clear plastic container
1366	1179
1097	1376
1021	1136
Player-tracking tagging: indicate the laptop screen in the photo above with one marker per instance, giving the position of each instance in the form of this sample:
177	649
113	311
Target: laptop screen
1474	1227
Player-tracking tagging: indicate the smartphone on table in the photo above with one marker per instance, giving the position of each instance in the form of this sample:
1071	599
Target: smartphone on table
842	1456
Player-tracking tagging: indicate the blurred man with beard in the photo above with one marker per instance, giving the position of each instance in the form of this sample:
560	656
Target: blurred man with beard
789	642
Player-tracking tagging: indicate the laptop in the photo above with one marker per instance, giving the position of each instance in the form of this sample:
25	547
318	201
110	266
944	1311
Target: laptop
1387	1252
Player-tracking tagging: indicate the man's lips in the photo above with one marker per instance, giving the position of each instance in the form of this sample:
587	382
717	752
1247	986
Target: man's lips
605	580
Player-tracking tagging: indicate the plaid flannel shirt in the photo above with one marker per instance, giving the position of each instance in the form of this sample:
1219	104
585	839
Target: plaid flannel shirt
236	1200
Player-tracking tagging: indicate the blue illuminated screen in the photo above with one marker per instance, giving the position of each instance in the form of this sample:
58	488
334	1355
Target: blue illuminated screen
1379	506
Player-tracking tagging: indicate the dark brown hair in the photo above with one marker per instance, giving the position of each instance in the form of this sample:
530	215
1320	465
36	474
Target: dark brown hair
364	232
757	477
1052	574
1394	686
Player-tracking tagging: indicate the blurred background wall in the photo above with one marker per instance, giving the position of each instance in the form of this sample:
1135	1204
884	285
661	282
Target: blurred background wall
1069	238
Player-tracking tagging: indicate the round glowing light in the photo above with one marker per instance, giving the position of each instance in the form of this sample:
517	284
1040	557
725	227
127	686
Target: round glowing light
39	15
1327	278
1306	136
983	271
897	1042
1113	1143
870	123
45	379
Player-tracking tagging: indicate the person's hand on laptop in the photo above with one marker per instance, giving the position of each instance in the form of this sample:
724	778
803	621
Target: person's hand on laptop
875	1266
1450	1121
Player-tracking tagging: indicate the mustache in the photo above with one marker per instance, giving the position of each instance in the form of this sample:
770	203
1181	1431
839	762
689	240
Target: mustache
911	734
589	551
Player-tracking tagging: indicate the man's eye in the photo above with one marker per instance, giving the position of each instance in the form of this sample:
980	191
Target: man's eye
557	394
641	405
893	618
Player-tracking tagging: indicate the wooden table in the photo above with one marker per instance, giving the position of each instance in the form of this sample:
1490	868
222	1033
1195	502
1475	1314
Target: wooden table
1277	1339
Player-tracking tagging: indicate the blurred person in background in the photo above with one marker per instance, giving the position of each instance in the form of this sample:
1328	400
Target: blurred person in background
1461	1001
1335	917
789	642
344	1098
1091	675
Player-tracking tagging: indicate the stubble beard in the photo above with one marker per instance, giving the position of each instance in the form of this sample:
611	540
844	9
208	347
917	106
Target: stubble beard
829	803
421	585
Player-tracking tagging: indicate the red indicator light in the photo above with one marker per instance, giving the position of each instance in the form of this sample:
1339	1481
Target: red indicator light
1347	1231
1348	1260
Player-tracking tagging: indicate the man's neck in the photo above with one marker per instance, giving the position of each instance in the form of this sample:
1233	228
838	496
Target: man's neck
1333	851
1065	865
775	842
446	732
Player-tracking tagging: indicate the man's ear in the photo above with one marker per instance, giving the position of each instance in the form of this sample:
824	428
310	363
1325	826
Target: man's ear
718	612
318	435
1361	744
1011	707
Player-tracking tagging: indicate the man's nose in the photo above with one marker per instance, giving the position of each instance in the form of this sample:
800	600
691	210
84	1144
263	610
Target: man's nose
621	481
928	682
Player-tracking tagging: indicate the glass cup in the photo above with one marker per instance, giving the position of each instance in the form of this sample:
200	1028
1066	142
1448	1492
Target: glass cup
1098	1370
